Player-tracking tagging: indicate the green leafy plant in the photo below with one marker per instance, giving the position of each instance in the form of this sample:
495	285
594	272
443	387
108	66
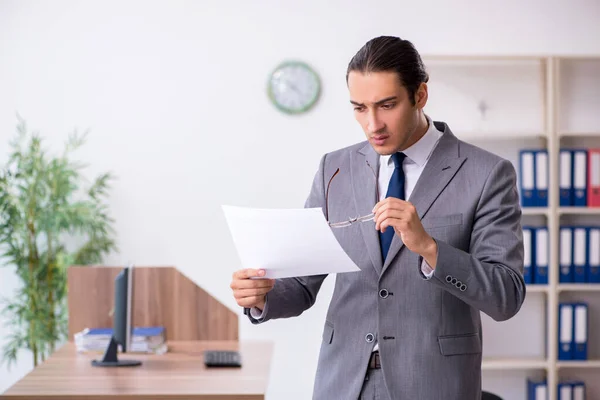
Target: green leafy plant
48	221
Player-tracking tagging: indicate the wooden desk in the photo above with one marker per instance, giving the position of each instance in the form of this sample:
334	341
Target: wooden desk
177	375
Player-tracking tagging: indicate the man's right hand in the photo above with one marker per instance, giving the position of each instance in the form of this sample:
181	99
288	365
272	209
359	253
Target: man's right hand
248	292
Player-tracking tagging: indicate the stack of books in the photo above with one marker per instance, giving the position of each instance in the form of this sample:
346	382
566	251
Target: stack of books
149	339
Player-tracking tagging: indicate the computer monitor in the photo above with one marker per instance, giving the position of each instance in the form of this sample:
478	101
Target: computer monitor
121	323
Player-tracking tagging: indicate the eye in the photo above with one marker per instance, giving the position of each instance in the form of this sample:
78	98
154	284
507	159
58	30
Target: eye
388	106
359	109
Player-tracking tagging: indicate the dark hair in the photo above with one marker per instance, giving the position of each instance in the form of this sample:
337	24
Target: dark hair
390	53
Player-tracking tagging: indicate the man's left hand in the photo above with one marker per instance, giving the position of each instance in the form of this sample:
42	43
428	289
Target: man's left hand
403	218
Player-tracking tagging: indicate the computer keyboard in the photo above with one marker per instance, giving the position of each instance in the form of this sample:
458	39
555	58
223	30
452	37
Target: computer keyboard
222	358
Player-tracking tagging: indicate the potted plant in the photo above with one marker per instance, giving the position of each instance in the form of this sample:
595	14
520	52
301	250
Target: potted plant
49	220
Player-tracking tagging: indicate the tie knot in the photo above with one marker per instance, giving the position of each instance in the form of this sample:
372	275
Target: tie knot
398	158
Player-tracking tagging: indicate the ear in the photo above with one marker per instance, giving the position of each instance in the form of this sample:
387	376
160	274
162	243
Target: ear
421	96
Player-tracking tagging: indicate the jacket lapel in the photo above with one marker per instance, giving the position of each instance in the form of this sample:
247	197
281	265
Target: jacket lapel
442	166
365	171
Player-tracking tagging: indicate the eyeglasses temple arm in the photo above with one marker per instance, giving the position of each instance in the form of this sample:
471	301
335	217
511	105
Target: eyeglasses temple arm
327	195
376	183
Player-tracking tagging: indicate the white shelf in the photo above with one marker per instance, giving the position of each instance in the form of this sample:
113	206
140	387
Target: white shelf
579	134
579	210
495	364
534	210
579	364
499	136
533	288
481	60
579	287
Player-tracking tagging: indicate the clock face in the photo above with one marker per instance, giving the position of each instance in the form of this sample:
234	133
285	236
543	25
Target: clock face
294	87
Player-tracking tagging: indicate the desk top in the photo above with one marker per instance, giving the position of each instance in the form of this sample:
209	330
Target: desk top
179	374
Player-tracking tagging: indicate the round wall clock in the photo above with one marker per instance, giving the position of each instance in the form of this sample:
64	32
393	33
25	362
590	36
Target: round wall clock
294	87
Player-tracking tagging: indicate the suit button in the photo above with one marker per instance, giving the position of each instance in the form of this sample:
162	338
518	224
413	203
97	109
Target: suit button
383	293
448	278
369	338
454	280
458	284
463	287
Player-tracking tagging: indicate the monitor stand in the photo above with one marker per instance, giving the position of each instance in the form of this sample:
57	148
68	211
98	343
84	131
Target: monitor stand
110	358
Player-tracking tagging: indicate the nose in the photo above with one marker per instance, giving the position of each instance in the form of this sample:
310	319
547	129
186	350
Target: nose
374	123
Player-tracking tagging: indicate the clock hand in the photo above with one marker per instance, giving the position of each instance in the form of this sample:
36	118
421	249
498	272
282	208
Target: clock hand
293	87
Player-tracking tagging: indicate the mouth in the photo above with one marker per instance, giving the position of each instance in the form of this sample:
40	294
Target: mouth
380	140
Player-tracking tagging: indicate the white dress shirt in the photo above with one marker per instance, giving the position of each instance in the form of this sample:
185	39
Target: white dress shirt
413	165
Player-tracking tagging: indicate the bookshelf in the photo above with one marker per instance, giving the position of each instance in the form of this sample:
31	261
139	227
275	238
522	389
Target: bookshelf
508	103
576	93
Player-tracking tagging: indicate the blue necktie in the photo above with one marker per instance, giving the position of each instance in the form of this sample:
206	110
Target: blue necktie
395	189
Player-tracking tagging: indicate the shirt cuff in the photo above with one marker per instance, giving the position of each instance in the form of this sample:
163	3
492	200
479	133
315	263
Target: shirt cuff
256	313
426	269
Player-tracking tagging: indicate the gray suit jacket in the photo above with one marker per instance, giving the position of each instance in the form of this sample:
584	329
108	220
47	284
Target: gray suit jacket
428	330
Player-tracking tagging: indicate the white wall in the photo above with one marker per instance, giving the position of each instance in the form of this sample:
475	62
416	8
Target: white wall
174	95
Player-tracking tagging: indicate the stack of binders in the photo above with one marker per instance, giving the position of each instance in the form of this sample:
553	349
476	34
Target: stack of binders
573	331
567	390
534	178
571	390
537	389
536	254
579	254
579	177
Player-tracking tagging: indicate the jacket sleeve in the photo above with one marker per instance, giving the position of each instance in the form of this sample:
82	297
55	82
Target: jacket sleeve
490	276
290	297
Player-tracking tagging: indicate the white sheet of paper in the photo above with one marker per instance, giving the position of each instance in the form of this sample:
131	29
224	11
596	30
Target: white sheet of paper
286	242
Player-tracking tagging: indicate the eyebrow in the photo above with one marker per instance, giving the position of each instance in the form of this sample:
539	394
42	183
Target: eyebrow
377	103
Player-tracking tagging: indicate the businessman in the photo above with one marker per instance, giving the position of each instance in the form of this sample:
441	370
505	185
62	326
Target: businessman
437	237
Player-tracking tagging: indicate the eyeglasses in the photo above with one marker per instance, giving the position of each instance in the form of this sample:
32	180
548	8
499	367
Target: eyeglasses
351	220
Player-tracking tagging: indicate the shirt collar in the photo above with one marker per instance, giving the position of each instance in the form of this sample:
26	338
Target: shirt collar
420	151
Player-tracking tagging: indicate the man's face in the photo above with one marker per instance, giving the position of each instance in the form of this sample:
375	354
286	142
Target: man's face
383	109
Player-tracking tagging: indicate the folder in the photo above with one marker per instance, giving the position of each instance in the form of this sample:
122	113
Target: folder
566	178
579	255
541	255
527	171
541	178
593	248
566	254
565	391
580	337
537	390
580	165
528	261
565	331
593	177
578	390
